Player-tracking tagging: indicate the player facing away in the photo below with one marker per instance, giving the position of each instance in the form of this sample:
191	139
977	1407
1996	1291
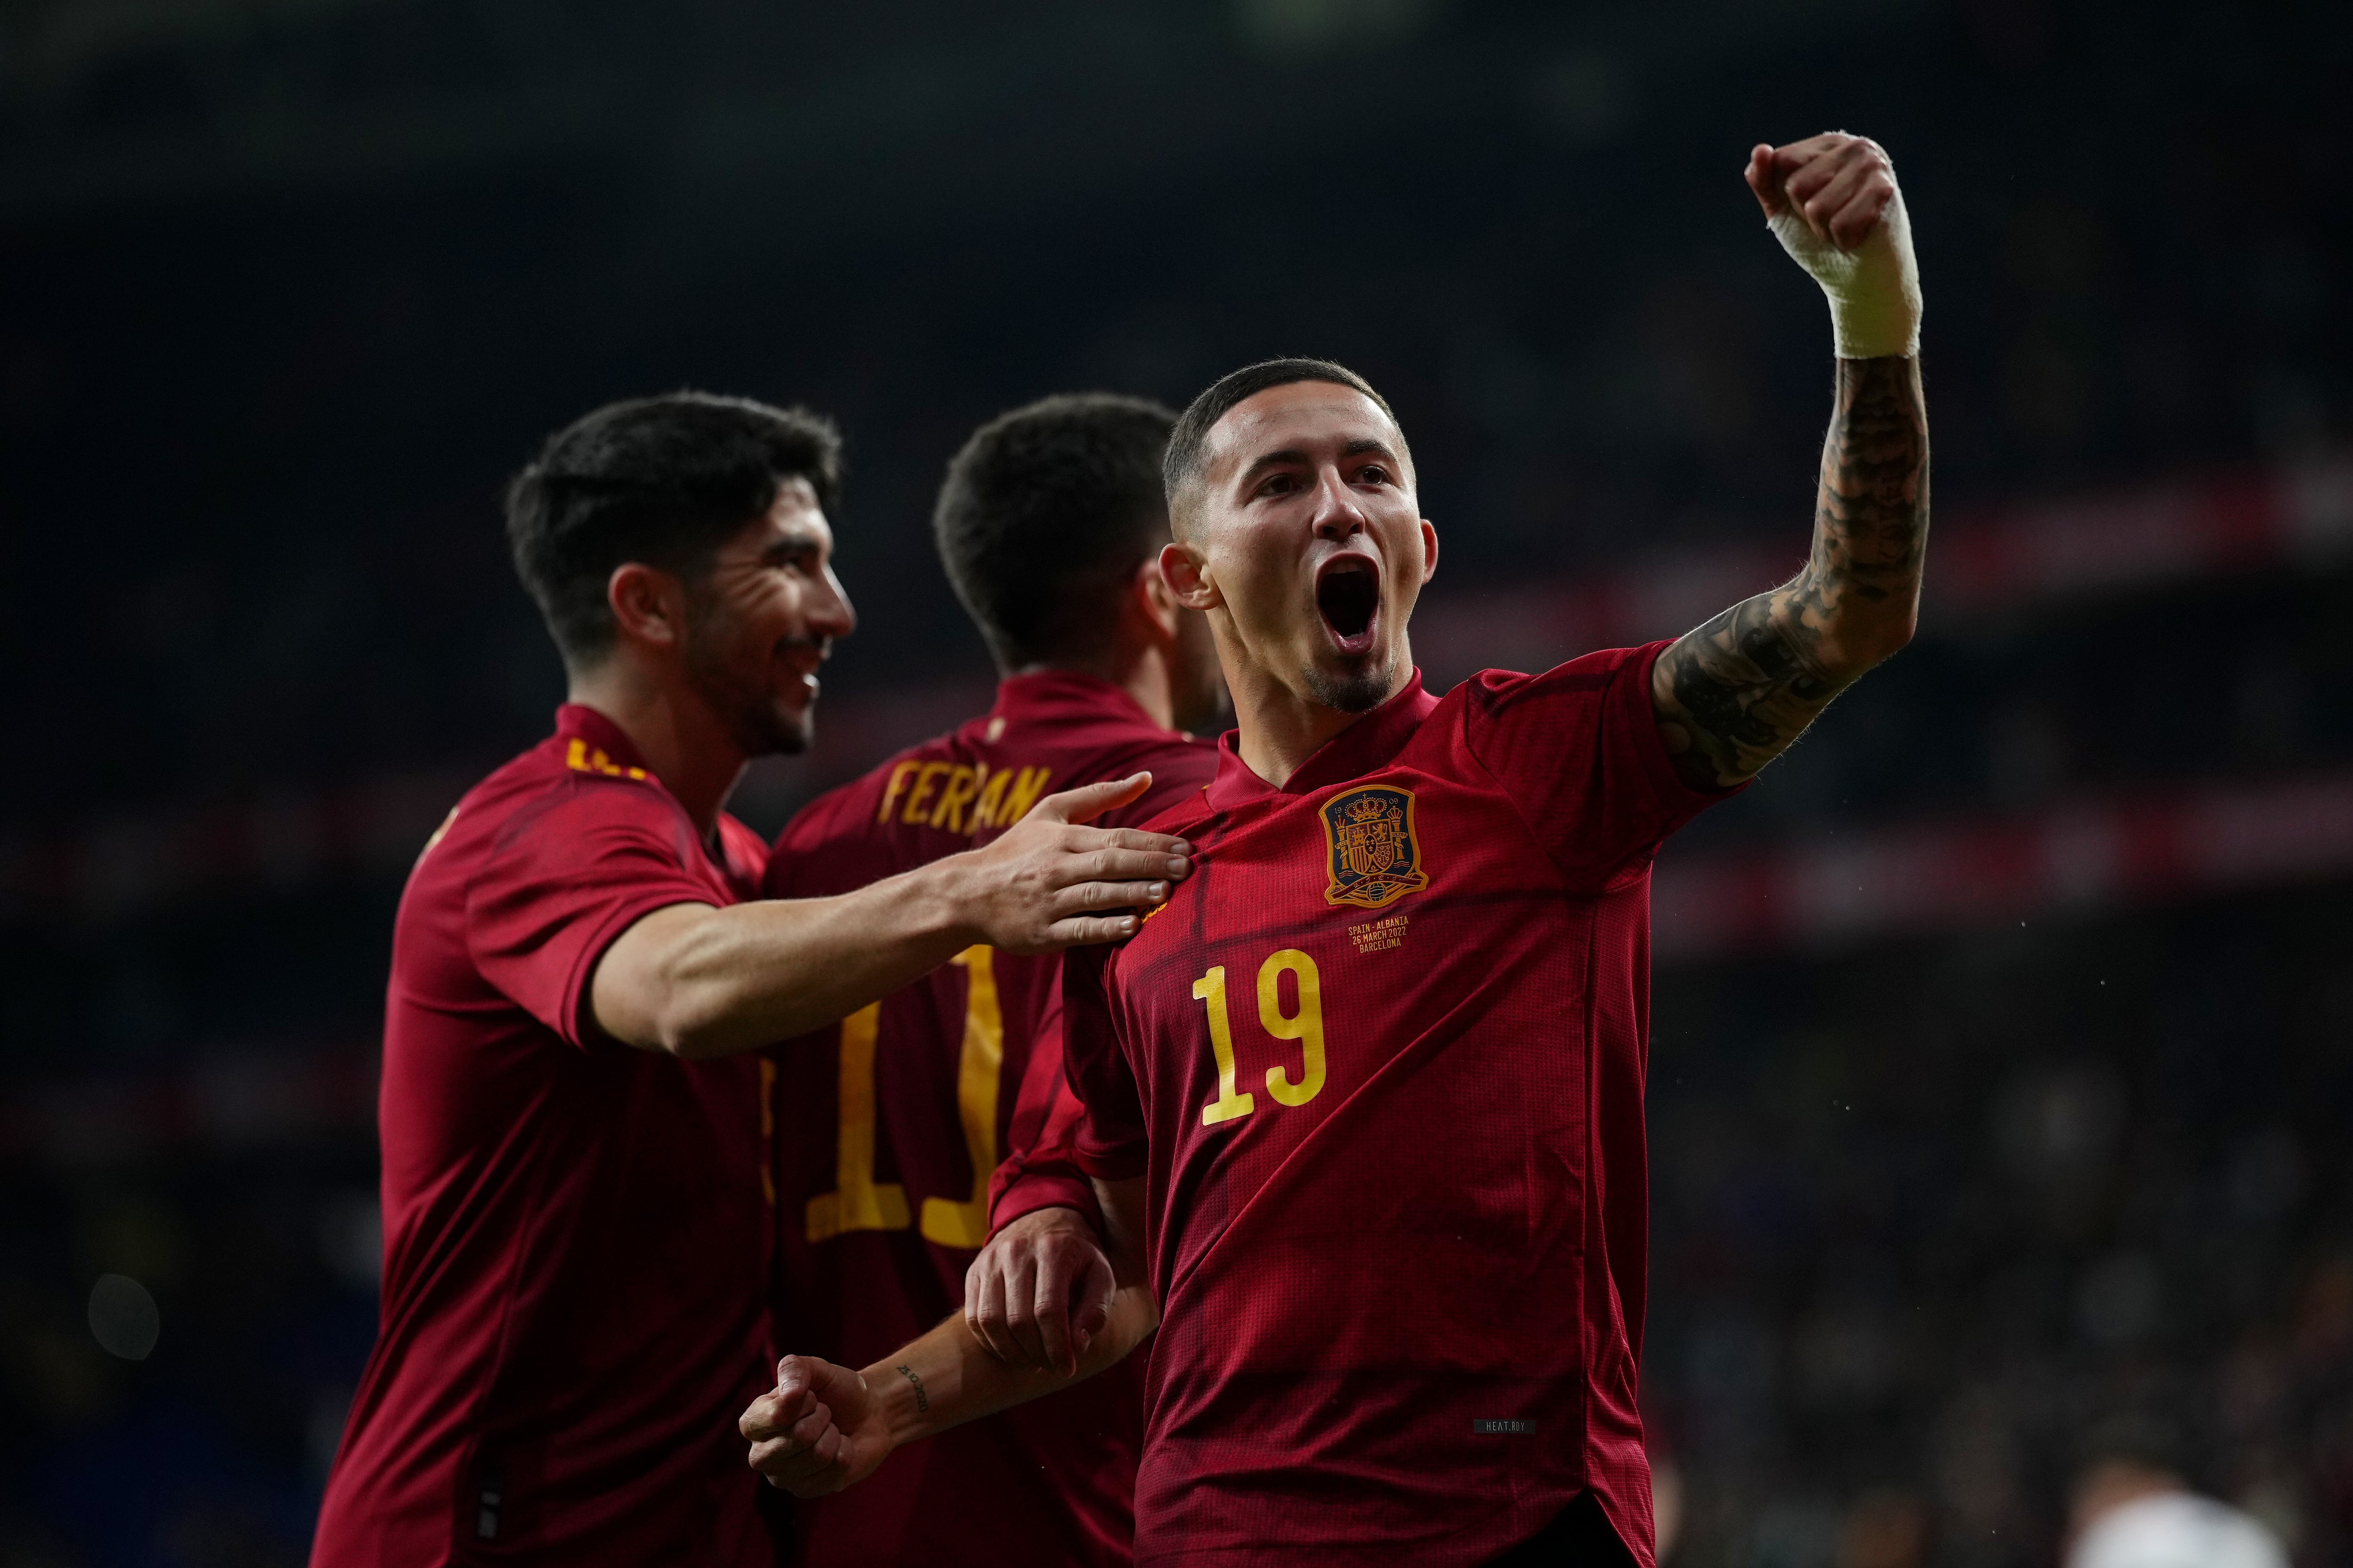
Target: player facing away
1364	1100
575	1232
889	1125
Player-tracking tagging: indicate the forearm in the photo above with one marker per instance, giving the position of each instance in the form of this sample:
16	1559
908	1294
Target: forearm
1733	694
947	1377
697	981
1858	596
729	980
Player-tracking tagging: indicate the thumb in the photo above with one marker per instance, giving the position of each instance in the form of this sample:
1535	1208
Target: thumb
1090	1301
816	1381
1765	178
1090	800
830	1382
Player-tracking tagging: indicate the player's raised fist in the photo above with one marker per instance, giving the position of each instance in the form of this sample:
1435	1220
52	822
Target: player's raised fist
1051	882
1833	203
1839	185
819	1430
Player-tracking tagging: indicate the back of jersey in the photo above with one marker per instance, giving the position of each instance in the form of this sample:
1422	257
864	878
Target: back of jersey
888	1126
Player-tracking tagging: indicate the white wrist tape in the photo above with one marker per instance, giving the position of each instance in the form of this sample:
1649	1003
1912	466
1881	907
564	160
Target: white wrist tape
1873	289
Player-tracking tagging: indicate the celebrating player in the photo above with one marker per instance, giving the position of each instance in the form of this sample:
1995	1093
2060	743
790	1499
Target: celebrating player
577	1244
887	1129
1363	1101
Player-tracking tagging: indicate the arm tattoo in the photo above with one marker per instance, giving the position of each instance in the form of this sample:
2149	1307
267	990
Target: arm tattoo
922	1404
1734	694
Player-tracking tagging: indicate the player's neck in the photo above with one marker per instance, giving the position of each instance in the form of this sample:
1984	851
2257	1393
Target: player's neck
1282	727
680	740
1141	672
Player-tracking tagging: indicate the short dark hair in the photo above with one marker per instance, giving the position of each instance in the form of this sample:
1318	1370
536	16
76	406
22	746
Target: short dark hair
1183	463
1046	513
665	480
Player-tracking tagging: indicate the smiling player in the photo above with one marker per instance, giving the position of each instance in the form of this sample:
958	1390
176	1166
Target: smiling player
575	1237
1364	1101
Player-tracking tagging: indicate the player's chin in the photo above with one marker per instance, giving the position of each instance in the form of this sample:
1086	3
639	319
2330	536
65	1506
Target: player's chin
1356	683
795	728
781	727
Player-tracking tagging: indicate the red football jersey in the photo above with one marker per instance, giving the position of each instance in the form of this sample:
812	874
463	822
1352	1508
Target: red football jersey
575	1238
891	1125
1381	1059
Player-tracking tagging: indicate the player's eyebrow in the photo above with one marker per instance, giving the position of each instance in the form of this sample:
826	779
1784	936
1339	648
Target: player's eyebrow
794	543
1290	457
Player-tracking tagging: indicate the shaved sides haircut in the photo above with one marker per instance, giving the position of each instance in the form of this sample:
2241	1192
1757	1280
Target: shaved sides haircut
1045	516
1182	466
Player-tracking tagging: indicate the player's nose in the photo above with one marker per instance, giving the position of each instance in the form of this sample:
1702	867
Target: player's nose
1337	515
830	612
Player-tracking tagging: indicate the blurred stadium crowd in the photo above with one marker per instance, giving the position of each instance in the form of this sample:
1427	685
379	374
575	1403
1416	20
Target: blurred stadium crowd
2027	1149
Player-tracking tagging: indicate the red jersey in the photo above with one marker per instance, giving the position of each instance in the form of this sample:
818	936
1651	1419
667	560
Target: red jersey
891	1124
1380	1059
575	1239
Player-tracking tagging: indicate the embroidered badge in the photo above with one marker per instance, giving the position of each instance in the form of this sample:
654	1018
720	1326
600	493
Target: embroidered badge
1374	857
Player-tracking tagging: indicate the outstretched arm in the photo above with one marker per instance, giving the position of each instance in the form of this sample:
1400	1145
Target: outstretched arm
1732	695
697	981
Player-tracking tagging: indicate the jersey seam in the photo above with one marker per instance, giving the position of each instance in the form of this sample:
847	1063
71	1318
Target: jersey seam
1470	750
476	1411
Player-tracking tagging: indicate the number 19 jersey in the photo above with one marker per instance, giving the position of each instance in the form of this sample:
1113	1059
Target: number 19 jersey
1381	1059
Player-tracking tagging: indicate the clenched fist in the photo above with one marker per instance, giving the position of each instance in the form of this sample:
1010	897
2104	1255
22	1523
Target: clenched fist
1832	202
819	1430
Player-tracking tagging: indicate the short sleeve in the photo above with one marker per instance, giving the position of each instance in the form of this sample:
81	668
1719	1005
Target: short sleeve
1179	766
1577	749
1040	1169
1109	1141
560	885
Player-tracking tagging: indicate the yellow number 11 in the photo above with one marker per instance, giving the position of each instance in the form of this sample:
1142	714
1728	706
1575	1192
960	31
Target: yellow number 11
858	1200
1306	1026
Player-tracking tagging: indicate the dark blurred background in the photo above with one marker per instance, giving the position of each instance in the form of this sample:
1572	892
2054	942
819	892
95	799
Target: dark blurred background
2004	1045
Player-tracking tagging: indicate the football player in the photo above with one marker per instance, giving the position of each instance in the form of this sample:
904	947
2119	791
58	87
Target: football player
1363	1102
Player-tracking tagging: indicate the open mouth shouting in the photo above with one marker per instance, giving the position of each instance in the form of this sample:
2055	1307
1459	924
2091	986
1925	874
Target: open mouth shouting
1348	597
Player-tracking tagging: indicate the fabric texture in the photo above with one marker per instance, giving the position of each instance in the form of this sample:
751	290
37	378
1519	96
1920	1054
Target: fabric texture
1380	1060
890	1127
575	1238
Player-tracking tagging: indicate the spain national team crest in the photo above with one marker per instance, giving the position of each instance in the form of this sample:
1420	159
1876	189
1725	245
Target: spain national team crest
1374	858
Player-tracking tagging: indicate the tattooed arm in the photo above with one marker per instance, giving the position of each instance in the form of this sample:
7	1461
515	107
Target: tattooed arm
1734	694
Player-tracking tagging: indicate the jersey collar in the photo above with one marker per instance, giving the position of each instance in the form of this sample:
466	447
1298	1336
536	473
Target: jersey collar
1361	748
1044	692
592	743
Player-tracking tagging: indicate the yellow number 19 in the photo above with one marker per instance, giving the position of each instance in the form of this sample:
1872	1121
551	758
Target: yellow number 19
1306	1026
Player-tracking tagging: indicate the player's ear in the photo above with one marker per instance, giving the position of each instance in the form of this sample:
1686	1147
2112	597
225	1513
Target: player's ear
1428	550
1181	567
648	605
1155	601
